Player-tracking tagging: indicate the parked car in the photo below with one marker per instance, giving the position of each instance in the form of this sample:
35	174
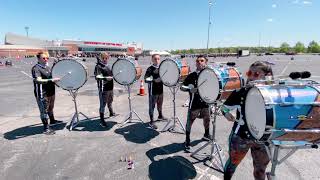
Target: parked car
8	63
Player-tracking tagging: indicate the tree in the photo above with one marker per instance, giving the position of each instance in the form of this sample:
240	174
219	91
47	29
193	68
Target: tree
285	47
313	47
299	47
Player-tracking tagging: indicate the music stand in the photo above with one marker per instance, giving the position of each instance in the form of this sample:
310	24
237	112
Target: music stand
131	111
215	148
175	118
75	118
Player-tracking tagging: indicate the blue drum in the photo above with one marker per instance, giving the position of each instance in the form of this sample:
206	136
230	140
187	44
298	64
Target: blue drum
284	112
217	83
173	71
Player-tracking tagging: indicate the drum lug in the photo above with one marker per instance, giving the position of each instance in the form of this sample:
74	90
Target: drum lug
269	106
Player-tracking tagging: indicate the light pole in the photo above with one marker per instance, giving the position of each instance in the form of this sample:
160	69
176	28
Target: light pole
209	24
27	30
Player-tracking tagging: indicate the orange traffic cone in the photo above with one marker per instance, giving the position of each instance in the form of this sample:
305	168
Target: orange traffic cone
141	91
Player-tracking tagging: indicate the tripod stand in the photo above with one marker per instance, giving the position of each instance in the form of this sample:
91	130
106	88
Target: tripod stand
75	119
171	128
215	148
131	111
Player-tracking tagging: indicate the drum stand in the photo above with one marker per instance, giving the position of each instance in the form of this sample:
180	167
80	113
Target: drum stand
278	145
75	119
171	128
215	148
132	111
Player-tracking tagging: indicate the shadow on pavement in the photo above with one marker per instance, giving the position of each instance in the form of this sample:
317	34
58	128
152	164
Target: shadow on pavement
93	125
138	133
29	131
176	167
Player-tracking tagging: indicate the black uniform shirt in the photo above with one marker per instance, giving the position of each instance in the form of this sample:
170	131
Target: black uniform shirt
197	102
42	89
104	70
237	100
156	87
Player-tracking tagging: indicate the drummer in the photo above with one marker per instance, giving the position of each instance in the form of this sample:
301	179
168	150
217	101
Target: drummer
239	140
197	107
103	74
155	89
44	91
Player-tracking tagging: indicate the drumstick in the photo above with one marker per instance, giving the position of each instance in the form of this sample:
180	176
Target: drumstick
202	83
164	74
117	73
65	75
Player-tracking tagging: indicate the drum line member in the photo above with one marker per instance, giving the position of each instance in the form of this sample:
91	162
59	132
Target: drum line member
103	75
155	89
240	140
197	107
44	91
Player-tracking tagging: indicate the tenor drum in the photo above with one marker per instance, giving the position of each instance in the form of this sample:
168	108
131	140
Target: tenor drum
126	71
217	82
72	74
272	110
173	71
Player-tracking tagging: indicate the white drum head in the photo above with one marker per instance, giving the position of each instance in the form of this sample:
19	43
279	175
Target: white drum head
169	72
124	72
208	85
72	74
255	112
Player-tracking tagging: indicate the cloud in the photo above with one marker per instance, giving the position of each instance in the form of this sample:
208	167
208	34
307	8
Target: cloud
270	20
274	5
295	1
307	2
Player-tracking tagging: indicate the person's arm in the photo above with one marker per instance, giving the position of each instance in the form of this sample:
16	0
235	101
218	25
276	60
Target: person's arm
148	76
37	77
232	102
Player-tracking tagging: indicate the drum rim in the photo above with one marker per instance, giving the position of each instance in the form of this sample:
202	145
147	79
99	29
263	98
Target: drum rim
220	85
176	67
264	137
129	60
82	65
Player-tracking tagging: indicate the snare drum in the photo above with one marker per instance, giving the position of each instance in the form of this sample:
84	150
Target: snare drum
126	71
173	71
72	74
269	110
217	83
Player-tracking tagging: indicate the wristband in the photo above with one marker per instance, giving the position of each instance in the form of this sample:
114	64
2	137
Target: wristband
224	110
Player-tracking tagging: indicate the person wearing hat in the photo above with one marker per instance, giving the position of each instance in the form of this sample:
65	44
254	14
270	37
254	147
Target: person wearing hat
44	91
197	107
103	75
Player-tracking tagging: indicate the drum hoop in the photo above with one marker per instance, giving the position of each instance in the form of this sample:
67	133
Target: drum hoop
81	66
245	117
134	69
176	67
220	85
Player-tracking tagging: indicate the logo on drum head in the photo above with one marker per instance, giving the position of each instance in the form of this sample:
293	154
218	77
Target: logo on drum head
254	130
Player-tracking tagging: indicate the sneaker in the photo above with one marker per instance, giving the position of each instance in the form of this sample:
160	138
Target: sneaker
56	122
113	114
187	147
206	137
162	118
103	124
153	126
48	131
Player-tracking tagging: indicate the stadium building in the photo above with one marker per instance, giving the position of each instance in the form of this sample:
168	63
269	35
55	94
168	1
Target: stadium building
22	46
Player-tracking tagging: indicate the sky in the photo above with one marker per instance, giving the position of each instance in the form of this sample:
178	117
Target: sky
165	24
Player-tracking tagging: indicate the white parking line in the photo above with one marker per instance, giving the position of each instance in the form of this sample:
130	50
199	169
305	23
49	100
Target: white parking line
26	74
285	68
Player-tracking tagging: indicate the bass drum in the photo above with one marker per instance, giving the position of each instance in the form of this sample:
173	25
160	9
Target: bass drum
217	82
269	109
126	71
73	74
173	71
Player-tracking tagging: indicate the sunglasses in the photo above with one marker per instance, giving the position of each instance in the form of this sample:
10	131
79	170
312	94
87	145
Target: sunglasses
254	74
200	60
45	58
